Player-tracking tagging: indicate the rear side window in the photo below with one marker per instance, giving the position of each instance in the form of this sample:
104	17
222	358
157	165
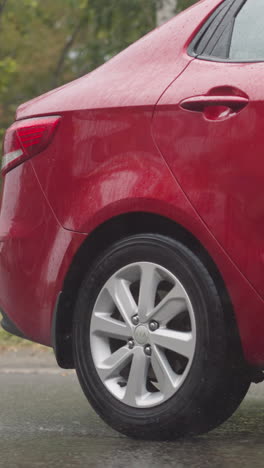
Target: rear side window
209	33
247	41
234	33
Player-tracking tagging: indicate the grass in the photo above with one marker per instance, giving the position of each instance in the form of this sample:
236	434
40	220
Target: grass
7	339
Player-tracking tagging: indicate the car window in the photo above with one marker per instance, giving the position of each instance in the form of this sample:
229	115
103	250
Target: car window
234	33
247	41
208	32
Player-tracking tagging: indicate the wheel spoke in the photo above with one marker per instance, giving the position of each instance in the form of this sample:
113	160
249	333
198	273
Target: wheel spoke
103	324
182	343
148	287
112	366
166	377
122	297
136	384
171	305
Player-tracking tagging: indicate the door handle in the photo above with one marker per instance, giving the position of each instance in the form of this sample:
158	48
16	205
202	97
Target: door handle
201	103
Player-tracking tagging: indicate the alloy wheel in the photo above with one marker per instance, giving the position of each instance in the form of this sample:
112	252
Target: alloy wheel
143	334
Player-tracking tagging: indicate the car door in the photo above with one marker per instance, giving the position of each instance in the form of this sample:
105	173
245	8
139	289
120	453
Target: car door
209	126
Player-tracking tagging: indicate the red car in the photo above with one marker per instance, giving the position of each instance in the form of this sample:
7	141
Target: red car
132	223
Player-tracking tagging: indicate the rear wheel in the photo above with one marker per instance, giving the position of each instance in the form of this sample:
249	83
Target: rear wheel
150	342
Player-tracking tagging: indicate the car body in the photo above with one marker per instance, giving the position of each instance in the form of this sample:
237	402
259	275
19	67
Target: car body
164	138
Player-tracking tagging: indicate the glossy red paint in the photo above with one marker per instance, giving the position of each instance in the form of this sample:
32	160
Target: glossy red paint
225	178
33	251
122	146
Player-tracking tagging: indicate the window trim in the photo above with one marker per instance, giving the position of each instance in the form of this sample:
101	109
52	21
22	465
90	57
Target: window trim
208	29
227	19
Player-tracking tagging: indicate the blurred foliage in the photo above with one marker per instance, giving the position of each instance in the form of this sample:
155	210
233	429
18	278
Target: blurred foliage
182	4
47	43
9	341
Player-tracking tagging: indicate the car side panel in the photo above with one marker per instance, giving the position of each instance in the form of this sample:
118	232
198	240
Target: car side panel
98	160
105	171
219	163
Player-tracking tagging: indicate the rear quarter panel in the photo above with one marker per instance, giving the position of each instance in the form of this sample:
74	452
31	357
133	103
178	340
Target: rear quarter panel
105	163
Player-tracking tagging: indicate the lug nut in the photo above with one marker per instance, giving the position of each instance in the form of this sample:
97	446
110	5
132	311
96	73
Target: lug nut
153	326
131	344
147	350
135	320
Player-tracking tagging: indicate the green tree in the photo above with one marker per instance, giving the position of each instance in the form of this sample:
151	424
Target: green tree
182	4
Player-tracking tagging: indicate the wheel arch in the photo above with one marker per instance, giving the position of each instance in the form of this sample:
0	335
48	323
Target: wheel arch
100	239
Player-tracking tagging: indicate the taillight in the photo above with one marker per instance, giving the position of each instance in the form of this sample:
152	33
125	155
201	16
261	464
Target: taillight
26	138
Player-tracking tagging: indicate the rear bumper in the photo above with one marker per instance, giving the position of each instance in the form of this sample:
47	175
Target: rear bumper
35	254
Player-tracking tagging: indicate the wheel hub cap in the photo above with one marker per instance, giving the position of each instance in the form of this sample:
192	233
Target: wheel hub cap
142	335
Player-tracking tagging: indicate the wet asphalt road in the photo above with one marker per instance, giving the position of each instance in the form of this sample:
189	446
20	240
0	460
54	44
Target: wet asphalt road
46	421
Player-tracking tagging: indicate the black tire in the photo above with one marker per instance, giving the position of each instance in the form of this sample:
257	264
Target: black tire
216	383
